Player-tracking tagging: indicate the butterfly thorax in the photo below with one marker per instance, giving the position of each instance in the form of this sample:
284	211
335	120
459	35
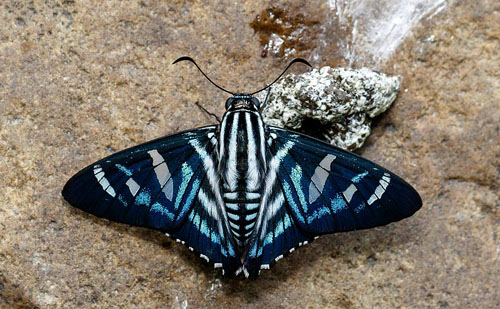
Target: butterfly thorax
242	168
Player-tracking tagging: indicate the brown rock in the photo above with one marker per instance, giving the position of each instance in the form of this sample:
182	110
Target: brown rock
80	80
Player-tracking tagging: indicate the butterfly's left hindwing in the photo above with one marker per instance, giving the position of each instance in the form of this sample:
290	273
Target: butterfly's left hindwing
164	185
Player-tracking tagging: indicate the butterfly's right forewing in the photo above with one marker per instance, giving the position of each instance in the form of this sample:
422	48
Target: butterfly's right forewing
331	190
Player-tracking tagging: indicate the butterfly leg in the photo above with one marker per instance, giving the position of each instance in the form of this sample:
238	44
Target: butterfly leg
207	112
265	100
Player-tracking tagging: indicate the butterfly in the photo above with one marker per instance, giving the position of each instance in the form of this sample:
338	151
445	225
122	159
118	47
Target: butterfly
242	194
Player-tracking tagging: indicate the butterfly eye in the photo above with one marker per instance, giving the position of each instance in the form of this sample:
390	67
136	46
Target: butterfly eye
229	102
256	102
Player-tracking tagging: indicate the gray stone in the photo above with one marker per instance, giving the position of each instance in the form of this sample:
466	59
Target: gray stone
342	100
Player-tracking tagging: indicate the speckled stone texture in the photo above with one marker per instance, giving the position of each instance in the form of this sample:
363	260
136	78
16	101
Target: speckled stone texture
338	103
81	80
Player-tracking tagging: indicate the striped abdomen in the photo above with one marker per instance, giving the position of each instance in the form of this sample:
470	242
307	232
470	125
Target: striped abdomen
242	168
242	209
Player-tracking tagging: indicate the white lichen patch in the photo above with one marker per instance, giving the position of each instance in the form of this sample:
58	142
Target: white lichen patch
342	100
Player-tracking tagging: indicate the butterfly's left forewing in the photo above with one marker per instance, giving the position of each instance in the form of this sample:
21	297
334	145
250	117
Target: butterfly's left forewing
166	184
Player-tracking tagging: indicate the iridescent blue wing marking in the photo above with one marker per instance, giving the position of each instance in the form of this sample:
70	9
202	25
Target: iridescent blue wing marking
165	184
332	190
321	189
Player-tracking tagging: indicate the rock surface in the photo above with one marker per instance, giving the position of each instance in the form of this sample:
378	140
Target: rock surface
81	80
337	103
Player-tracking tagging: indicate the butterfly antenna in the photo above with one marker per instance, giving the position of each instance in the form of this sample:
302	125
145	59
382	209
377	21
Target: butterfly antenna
296	60
185	58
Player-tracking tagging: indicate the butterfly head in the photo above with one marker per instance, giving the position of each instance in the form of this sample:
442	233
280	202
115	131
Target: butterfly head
242	101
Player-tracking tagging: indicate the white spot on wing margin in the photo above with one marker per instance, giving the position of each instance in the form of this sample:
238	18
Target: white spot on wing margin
103	181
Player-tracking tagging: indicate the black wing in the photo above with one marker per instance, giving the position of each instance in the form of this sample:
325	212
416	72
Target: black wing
315	188
166	184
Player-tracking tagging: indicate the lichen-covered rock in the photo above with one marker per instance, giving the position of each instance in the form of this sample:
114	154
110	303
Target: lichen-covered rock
343	101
